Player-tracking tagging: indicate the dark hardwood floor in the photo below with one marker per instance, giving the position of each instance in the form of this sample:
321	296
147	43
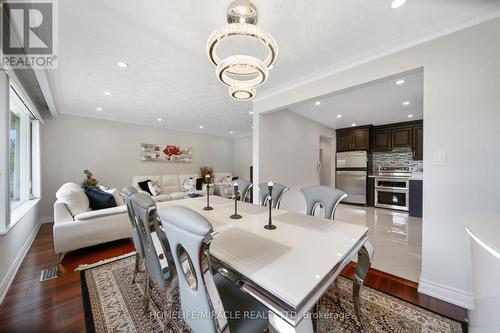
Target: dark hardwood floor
56	305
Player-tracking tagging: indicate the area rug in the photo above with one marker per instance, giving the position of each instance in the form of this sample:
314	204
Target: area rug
113	304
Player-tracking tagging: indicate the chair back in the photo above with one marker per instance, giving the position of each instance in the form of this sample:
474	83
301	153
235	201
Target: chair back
145	213
243	187
278	191
189	235
327	196
127	192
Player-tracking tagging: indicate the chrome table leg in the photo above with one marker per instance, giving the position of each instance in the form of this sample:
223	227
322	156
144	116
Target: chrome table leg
364	260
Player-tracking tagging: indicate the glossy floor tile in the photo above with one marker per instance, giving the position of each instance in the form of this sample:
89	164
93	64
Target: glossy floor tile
396	238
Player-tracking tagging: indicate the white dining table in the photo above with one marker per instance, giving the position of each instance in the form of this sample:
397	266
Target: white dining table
287	269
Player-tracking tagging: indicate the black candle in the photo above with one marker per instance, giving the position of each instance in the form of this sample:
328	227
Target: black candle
270	225
235	190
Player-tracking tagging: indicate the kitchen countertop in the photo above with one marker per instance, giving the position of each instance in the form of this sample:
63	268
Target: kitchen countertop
414	176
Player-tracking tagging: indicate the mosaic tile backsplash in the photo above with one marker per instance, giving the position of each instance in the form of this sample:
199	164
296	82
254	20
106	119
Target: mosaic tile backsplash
396	159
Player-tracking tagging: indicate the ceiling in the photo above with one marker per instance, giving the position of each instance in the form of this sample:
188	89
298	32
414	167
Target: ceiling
375	103
170	77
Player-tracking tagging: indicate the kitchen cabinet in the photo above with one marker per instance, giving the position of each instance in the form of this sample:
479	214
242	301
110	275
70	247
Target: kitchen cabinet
353	138
399	135
416	198
418	143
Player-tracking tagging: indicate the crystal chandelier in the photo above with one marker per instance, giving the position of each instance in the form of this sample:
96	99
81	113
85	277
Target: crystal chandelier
242	73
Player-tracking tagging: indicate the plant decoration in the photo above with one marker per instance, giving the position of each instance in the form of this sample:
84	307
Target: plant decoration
90	180
207	171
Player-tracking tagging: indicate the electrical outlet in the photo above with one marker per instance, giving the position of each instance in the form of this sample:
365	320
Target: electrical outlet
439	158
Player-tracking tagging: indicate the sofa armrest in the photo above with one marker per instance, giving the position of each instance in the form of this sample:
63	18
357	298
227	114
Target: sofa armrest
95	214
61	213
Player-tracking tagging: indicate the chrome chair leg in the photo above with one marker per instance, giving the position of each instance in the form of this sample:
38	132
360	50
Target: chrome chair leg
137	266
146	298
364	260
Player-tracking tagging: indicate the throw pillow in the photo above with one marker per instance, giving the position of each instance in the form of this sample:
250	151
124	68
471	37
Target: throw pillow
116	194
227	180
154	188
189	185
199	184
234	178
99	199
144	186
73	196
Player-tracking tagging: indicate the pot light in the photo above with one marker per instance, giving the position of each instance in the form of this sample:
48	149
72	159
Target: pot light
410	116
107	93
122	64
339	116
231	132
397	3
353	124
400	82
201	126
250	112
159	120
98	108
406	103
317	103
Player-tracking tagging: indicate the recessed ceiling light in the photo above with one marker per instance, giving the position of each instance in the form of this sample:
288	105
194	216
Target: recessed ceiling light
339	116
271	67
98	108
122	64
252	127
353	124
410	116
201	126
397	3
406	103
159	119
250	112
107	93
317	103
231	132
400	82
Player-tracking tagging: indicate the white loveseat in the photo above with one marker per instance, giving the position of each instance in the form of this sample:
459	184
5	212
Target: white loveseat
76	226
172	185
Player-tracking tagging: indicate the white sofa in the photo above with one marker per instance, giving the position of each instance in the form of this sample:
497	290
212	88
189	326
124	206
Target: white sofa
85	227
172	185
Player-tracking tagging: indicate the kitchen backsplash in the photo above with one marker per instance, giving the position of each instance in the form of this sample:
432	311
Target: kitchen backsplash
396	159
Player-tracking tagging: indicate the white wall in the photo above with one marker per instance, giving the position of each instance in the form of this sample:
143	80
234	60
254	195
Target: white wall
461	117
242	157
111	150
289	152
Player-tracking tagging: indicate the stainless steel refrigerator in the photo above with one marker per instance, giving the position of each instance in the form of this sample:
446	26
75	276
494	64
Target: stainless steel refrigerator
351	175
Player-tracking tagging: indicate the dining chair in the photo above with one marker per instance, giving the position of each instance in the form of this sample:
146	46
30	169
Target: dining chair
189	236
317	195
244	188
127	192
278	192
146	215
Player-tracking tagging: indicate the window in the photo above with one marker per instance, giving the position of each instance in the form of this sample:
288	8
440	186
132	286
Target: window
20	150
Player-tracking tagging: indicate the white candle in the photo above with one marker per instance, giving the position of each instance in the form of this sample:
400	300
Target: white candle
270	183
207	176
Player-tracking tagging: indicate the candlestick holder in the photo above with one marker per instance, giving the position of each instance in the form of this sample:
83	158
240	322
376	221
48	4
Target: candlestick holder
270	225
235	216
207	178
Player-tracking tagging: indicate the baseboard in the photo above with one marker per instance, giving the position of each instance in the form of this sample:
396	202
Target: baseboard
11	273
46	219
447	294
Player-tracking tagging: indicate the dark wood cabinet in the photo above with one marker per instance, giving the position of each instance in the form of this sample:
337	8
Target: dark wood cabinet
400	135
418	143
353	138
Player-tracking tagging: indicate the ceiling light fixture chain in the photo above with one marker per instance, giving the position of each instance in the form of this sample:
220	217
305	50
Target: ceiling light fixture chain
242	73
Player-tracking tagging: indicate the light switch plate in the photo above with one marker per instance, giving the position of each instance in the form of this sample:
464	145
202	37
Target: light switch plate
439	158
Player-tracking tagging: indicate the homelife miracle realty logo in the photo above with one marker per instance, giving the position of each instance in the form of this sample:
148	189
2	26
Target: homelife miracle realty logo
29	34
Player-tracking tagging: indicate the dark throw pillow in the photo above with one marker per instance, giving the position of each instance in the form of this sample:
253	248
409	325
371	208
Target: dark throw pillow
199	184
144	186
99	199
235	178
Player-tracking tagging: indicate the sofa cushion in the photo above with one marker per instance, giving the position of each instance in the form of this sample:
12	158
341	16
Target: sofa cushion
162	197
117	195
170	184
73	196
144	185
95	214
219	176
178	195
99	199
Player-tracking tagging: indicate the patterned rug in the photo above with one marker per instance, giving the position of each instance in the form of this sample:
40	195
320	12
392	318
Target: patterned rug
113	304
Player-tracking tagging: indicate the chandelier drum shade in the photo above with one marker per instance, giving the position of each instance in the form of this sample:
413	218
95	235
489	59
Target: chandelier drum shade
241	72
